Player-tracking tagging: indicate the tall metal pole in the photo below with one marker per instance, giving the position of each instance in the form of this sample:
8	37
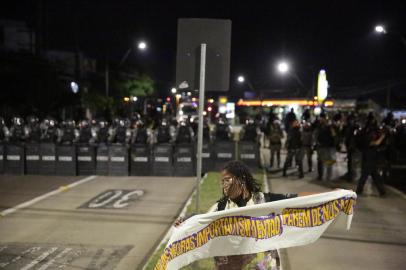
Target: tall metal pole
200	127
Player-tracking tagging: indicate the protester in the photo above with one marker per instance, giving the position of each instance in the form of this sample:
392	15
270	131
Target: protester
294	147
240	189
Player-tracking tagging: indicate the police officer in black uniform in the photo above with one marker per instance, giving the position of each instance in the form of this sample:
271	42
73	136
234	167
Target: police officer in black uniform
17	131
294	147
222	131
4	132
250	131
85	133
103	134
68	132
163	133
370	157
33	129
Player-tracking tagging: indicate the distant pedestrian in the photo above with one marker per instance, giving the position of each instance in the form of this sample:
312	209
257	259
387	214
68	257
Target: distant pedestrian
294	146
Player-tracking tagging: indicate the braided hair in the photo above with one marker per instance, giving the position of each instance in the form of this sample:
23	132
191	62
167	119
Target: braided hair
242	173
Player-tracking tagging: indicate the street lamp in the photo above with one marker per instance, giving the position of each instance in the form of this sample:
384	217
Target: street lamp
380	29
283	67
173	90
141	45
240	79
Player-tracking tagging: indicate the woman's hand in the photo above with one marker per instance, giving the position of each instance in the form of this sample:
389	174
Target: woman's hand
179	221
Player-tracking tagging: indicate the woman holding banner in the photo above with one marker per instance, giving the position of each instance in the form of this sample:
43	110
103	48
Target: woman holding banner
240	189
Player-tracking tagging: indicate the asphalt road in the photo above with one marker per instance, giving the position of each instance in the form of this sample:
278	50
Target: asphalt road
102	223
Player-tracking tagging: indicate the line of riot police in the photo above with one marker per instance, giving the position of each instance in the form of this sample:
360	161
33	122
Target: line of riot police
124	140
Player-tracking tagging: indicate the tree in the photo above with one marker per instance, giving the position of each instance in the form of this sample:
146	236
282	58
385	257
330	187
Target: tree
132	84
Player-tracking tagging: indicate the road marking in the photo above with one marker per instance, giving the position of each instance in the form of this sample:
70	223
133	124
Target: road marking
39	258
15	259
50	262
45	196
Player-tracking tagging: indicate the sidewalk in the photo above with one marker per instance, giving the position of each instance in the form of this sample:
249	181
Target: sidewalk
376	240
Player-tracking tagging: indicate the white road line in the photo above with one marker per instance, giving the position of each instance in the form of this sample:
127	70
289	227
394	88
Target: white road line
50	262
45	196
15	259
39	258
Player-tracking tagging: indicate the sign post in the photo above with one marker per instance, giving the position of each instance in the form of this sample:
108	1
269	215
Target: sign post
200	127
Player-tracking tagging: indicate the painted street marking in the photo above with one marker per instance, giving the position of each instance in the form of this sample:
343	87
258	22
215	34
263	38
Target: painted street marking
44	257
113	199
45	196
40	258
52	261
31	250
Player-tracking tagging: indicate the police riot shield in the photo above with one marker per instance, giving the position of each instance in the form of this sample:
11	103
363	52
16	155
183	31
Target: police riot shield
48	158
118	160
102	159
32	158
162	160
140	160
66	160
207	157
14	159
86	159
224	152
184	160
248	153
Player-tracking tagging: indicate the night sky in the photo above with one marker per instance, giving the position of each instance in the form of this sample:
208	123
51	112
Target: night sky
335	35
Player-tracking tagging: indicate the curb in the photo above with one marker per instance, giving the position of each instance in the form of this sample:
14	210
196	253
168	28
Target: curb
181	214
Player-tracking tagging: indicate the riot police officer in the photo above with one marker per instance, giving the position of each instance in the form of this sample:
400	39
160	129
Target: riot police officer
87	135
17	130
140	134
103	132
4	132
184	133
249	131
163	133
33	129
69	133
50	132
222	131
121	133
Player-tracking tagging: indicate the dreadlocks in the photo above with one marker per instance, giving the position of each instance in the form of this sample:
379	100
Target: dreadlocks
241	172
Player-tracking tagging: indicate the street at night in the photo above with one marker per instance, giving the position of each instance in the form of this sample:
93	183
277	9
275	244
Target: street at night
202	135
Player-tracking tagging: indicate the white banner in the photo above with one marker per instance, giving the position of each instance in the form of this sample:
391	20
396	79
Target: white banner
257	228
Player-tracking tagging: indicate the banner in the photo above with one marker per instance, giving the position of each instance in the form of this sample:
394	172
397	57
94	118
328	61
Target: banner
256	228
